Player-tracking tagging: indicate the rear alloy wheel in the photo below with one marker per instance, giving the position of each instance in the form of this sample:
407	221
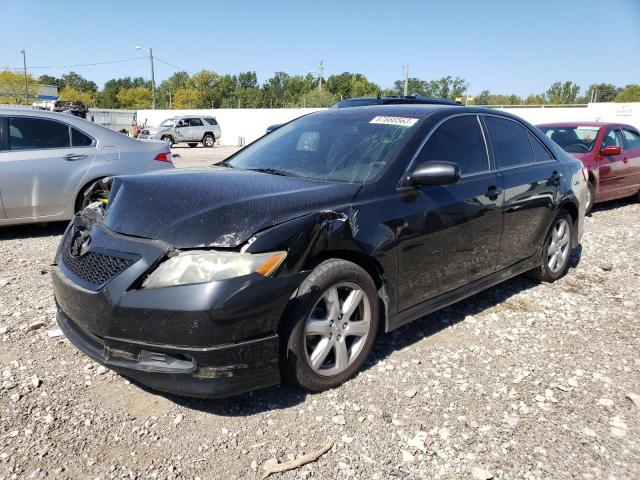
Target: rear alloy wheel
557	250
331	326
208	140
168	139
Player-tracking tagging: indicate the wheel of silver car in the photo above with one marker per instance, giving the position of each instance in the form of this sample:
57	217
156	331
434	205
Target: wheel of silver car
208	140
337	329
559	246
330	326
168	139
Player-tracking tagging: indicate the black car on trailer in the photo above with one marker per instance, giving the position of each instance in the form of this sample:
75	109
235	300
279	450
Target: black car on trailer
289	258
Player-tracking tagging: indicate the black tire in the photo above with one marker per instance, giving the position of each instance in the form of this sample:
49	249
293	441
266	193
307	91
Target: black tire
592	197
100	188
192	145
208	140
168	139
295	365
544	273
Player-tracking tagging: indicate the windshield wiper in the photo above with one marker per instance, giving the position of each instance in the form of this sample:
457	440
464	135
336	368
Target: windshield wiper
272	171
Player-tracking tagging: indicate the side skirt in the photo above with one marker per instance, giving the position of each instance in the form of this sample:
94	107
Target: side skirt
460	293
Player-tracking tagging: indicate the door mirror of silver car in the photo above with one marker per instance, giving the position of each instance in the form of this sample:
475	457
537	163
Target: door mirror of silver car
435	173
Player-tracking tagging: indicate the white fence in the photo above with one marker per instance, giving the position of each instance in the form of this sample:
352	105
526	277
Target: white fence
251	123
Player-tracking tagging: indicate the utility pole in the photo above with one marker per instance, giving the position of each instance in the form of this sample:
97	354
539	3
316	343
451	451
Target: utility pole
320	76
153	77
405	71
153	81
26	84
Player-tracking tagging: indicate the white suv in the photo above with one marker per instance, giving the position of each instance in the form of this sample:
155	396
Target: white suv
188	129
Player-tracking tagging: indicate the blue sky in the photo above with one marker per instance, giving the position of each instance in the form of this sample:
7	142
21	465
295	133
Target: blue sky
503	46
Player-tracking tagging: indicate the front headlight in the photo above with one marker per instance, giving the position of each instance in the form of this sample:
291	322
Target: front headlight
199	266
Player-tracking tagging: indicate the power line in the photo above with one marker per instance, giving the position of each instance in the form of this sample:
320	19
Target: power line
170	64
81	64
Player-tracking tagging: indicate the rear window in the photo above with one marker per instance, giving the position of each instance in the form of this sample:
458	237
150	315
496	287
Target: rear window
79	139
510	142
210	121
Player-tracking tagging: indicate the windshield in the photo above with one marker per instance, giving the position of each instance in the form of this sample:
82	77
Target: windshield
168	122
335	147
573	139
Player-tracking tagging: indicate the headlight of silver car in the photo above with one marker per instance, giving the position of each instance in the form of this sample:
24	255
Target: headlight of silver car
199	266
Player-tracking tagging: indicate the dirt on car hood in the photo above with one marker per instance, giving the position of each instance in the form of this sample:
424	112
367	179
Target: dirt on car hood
214	207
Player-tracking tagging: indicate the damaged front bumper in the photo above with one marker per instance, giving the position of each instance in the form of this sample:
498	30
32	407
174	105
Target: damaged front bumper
203	340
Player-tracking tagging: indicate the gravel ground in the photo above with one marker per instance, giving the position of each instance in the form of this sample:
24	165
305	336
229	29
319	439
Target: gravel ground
185	156
521	381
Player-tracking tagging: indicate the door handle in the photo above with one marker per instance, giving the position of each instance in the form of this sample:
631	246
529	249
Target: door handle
555	177
493	192
71	157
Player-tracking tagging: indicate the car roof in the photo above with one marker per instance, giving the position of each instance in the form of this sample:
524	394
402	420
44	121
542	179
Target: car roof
416	109
409	99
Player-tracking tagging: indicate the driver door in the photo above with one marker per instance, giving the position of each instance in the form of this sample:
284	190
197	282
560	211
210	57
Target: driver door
449	234
182	130
611	169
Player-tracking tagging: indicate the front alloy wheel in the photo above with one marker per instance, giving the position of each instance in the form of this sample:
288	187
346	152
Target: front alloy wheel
330	326
337	329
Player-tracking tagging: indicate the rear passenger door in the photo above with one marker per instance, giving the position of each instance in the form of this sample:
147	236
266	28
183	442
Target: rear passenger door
631	155
196	129
43	166
531	180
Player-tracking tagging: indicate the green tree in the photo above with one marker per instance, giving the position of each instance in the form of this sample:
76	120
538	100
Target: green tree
77	82
12	87
534	100
185	98
562	93
317	99
602	92
71	94
630	93
134	98
273	90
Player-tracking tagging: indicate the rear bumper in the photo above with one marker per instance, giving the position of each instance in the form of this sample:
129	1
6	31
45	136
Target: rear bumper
195	372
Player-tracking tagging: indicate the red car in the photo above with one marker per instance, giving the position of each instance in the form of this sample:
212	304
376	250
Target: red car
610	151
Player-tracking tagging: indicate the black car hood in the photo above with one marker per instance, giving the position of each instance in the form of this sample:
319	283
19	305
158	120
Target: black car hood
215	207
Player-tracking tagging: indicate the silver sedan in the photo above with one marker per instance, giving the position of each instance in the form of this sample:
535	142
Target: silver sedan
49	160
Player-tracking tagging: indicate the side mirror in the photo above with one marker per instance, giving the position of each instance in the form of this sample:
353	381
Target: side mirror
435	173
613	150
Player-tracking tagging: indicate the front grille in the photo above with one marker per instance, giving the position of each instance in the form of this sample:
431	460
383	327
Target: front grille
94	267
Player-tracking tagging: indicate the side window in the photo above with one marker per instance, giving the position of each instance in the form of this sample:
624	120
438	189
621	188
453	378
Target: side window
79	139
195	122
27	133
510	142
632	139
612	139
540	153
458	140
211	121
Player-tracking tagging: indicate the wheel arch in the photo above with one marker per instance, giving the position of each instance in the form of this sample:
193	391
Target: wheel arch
83	188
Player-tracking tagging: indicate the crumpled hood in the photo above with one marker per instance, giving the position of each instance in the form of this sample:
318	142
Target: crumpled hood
216	207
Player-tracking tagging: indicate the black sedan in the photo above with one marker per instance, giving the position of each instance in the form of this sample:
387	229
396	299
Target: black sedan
287	260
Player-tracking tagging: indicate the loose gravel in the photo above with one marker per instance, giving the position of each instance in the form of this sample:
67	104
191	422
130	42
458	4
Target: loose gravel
525	380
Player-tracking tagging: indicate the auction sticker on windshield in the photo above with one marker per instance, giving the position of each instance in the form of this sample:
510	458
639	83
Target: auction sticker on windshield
402	121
